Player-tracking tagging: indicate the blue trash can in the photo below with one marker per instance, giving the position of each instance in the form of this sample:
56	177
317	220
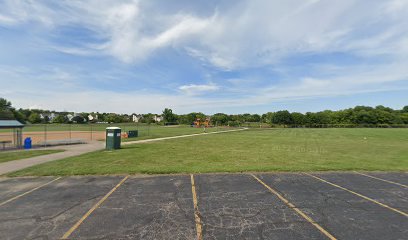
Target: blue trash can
27	143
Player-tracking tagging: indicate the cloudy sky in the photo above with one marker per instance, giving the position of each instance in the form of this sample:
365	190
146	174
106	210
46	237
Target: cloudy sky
212	56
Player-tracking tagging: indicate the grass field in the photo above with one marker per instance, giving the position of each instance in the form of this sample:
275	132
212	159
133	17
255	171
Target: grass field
16	155
160	131
250	150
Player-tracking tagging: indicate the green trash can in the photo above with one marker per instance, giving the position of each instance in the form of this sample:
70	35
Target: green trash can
113	135
133	133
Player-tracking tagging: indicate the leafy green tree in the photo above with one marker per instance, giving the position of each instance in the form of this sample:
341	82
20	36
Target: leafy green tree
78	119
113	118
282	117
267	117
318	118
34	118
383	117
246	117
5	104
19	116
382	108
168	115
404	117
6	110
365	117
191	117
219	119
147	118
60	119
255	118
46	119
298	118
6	115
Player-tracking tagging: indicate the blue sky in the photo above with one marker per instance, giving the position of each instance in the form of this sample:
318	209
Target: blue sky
210	56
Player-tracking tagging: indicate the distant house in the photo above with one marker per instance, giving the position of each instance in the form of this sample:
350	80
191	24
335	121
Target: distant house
91	118
157	118
49	116
71	116
52	116
136	117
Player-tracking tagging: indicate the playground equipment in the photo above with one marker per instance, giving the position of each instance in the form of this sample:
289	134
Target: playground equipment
198	123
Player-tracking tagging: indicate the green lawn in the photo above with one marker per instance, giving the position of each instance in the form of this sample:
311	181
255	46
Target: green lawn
250	150
16	155
146	132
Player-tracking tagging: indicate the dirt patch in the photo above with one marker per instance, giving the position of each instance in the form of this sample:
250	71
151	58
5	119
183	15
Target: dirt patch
41	136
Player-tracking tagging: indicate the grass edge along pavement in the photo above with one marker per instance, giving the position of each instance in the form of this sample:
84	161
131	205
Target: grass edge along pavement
254	150
23	154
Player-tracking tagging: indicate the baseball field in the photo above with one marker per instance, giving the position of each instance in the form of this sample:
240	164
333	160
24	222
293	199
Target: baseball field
249	150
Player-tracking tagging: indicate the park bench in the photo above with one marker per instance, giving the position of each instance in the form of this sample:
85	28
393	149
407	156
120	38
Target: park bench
4	143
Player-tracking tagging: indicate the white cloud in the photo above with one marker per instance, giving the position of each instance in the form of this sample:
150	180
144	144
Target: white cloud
247	34
74	51
193	89
6	20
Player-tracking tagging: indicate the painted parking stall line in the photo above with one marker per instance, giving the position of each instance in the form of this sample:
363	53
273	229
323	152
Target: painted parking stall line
196	211
28	192
358	194
381	179
297	210
80	221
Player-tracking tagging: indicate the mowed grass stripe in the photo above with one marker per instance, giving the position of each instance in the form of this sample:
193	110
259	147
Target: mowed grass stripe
250	150
22	154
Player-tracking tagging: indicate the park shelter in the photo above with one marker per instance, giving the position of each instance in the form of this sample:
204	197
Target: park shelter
17	133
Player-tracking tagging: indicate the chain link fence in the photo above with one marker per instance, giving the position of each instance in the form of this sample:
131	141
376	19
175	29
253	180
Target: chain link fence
57	134
43	135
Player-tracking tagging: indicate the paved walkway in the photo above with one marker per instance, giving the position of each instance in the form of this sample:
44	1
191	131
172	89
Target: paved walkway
75	150
180	136
70	151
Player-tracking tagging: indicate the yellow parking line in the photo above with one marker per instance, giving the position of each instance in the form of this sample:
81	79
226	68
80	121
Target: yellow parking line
77	224
310	220
388	181
360	195
196	212
32	190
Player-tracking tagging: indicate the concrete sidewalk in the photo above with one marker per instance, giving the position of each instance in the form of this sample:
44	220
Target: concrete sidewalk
180	136
70	151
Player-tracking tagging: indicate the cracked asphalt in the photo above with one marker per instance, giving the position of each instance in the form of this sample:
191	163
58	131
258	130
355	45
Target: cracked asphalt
344	205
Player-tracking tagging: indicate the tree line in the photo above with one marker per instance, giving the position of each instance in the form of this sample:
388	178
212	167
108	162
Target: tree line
357	116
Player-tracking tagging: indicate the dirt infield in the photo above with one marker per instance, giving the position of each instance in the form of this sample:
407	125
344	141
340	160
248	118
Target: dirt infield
40	137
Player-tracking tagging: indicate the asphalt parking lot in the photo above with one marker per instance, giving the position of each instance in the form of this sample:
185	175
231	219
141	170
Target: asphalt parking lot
345	205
